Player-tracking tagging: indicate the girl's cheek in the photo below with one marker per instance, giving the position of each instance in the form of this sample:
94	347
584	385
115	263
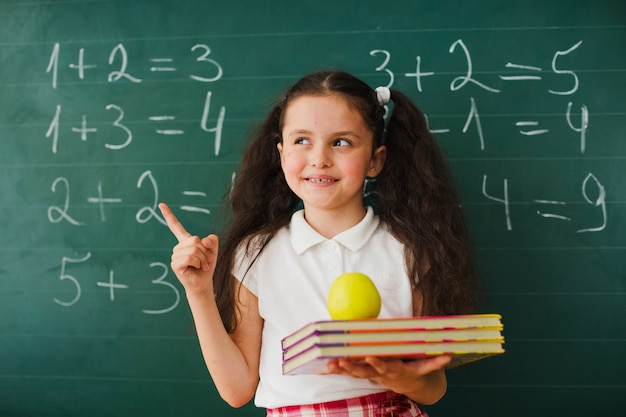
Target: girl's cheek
293	163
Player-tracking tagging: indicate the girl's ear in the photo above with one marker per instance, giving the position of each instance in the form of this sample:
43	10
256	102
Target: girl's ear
279	146
377	162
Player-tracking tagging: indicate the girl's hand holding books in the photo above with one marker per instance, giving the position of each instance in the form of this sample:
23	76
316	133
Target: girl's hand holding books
403	377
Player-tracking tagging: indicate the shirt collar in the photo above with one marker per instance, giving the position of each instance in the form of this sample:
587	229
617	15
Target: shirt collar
303	236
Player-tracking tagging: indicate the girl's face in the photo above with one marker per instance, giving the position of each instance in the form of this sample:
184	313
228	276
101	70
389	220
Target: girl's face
326	153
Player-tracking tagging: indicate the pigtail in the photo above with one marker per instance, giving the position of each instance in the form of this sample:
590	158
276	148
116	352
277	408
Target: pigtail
418	201
260	203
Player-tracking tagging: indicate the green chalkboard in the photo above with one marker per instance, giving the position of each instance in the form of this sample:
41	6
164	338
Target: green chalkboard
107	107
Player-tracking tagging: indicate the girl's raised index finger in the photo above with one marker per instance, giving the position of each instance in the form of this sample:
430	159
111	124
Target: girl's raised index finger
177	229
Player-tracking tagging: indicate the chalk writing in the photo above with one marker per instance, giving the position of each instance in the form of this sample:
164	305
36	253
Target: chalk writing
584	124
529	73
220	122
566	72
473	115
205	58
146	213
590	181
125	136
80	66
461	81
117	75
121	65
149	211
100	200
521	77
383	66
530	132
72	279
62	212
418	74
161	281
118	123
504	200
112	285
600	201
210	70
53	129
53	64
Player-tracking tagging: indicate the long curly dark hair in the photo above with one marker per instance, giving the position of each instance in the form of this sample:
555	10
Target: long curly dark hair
414	196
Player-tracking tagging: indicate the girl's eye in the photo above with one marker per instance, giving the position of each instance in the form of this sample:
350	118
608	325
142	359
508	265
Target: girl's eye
342	142
302	141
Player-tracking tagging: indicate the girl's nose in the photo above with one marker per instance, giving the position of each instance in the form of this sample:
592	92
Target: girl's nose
320	157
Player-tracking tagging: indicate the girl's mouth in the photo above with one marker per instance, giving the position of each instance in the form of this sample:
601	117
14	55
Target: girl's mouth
321	180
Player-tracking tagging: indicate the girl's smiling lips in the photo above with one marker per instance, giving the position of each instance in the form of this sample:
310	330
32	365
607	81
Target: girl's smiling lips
320	179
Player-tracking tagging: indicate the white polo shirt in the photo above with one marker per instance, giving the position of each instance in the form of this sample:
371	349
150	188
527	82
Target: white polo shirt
291	280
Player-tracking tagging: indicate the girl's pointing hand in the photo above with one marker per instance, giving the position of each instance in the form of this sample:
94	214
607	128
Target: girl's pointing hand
193	258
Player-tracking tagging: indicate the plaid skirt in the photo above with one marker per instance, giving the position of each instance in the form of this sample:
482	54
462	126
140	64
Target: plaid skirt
384	404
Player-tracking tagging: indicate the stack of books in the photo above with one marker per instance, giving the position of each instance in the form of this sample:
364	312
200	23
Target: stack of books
466	338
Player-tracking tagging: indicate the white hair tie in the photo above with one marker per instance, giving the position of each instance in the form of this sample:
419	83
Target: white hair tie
383	94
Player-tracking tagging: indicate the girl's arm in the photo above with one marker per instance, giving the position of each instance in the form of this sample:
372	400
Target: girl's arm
232	359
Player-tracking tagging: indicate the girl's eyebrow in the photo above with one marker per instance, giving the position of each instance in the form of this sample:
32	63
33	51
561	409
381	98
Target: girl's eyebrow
299	132
334	134
347	133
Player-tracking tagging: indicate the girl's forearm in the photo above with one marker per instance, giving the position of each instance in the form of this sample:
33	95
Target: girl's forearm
235	375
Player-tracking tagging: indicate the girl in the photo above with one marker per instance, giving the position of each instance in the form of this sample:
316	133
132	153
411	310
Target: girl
317	147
